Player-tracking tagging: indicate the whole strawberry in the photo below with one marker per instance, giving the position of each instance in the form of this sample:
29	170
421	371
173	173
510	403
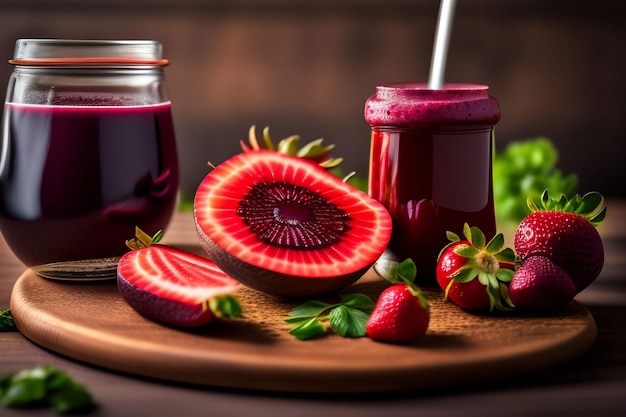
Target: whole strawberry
540	284
401	313
565	232
473	274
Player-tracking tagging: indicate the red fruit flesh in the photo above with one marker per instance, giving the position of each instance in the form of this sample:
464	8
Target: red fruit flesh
398	316
171	286
285	226
568	239
540	284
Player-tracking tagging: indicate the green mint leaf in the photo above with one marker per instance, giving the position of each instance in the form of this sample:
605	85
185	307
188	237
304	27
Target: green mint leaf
311	308
359	301
347	318
24	392
348	322
295	320
395	272
308	329
407	270
5	382
71	397
387	270
43	385
6	321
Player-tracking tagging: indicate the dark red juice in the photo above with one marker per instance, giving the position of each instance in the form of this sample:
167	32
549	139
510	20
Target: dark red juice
430	165
76	180
450	191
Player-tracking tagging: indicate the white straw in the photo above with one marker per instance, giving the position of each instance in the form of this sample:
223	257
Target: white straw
440	47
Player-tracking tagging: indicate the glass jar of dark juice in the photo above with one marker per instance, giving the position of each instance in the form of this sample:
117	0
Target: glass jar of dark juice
88	152
431	165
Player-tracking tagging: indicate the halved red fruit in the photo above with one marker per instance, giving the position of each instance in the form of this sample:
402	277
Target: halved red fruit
285	226
174	287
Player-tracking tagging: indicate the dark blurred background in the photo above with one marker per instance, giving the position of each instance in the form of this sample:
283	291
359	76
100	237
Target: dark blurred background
308	66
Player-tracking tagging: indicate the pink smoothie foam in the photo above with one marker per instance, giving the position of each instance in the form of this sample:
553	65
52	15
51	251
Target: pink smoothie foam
415	105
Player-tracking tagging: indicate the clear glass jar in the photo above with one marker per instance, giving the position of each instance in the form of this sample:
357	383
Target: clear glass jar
430	165
88	152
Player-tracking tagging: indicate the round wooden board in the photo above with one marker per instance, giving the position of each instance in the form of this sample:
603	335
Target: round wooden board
91	322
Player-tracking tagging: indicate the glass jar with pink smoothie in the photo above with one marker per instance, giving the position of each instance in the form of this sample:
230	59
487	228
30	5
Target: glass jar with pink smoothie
88	152
431	165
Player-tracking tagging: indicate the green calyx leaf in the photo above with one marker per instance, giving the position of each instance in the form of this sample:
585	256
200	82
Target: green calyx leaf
396	272
289	145
347	318
44	385
401	272
483	264
143	240
477	250
467	251
6	321
315	150
224	306
591	206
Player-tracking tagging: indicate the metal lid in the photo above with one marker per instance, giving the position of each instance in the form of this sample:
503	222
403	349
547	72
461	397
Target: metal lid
87	52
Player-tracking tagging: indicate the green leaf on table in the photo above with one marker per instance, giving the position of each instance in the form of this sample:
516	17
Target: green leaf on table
6	321
306	328
41	386
347	317
348	322
357	300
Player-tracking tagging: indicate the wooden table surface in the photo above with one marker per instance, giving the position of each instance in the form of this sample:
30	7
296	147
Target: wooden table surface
592	385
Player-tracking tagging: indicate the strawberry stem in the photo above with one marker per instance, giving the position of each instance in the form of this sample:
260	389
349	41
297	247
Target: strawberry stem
223	306
591	206
401	272
483	263
143	240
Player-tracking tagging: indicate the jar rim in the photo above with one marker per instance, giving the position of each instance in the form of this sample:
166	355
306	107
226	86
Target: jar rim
95	61
87	52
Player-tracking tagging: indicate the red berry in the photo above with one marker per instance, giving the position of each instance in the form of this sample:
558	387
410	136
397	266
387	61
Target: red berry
540	284
474	274
569	239
470	295
399	315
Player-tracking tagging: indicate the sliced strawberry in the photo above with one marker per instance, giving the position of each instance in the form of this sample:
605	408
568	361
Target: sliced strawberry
540	284
285	226
400	315
175	287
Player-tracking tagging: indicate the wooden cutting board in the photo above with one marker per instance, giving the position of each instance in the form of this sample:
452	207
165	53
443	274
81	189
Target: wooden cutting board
90	322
